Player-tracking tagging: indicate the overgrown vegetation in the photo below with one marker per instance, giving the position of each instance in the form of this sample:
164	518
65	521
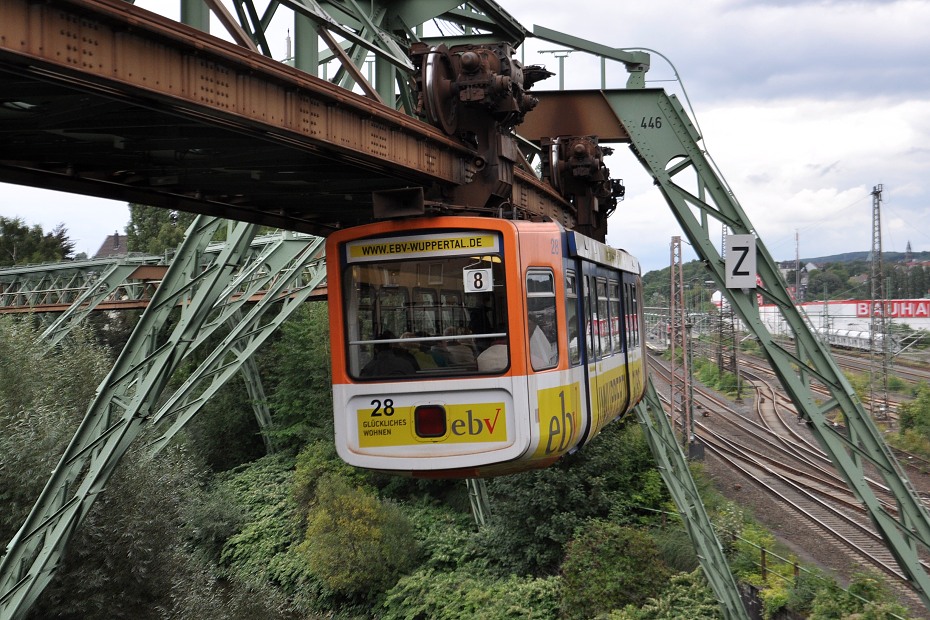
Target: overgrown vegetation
212	529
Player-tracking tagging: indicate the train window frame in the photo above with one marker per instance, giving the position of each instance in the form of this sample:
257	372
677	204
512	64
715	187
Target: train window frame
390	313
573	331
603	317
542	330
631	307
615	307
381	319
592	344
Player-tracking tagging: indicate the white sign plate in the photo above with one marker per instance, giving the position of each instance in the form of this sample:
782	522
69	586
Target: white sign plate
741	261
478	280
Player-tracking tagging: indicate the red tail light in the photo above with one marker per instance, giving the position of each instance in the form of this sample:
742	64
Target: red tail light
429	421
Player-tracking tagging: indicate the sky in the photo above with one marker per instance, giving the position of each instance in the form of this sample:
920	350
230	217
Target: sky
804	106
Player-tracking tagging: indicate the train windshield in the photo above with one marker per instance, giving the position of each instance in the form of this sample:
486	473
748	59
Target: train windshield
425	305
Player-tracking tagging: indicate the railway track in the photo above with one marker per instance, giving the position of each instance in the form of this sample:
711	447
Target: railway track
775	454
919	465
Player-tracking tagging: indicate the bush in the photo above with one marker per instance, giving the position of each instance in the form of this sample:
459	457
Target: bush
676	548
43	398
257	554
356	544
687	597
534	514
470	593
867	597
608	566
448	539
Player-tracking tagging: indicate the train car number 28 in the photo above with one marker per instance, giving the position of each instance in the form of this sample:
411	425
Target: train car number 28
385	407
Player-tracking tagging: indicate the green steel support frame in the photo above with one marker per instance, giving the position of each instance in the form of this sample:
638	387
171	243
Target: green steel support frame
673	468
199	291
700	199
110	280
287	274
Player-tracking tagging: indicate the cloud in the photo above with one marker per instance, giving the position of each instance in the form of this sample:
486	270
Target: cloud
804	105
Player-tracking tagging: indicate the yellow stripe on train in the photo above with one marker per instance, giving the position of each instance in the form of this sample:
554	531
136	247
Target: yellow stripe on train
471	423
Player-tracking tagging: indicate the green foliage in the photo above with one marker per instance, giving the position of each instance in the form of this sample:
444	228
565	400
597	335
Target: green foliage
867	598
356	544
270	523
910	440
687	597
896	384
211	518
448	539
859	384
470	593
729	520
124	557
676	549
916	413
709	374
745	556
751	346
42	401
608	566
315	462
805	588
301	398
535	513
775	597
154	230
21	244
914	423
225	433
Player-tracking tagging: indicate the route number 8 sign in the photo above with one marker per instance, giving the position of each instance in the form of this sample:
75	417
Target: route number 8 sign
478	280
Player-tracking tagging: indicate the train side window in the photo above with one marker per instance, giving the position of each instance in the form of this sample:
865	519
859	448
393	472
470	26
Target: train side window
630	306
541	318
634	293
571	318
603	317
590	318
613	295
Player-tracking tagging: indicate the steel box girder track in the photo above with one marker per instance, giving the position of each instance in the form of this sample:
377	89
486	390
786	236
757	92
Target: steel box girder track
110	100
699	197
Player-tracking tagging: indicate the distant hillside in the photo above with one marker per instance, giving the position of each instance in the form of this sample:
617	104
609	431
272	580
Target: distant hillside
847	257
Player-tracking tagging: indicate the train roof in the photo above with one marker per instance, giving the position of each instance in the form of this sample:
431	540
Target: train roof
590	249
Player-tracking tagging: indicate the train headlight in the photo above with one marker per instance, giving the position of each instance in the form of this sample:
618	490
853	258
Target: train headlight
429	421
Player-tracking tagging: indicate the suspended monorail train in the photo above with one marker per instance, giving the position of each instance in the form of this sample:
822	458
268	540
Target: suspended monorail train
476	346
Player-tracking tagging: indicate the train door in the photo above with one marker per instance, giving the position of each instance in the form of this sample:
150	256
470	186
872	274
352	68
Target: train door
592	341
633	335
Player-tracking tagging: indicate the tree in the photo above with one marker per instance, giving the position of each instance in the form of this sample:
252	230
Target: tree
300	394
154	230
21	244
608	566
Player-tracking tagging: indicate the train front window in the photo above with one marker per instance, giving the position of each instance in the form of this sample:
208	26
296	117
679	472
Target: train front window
425	315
